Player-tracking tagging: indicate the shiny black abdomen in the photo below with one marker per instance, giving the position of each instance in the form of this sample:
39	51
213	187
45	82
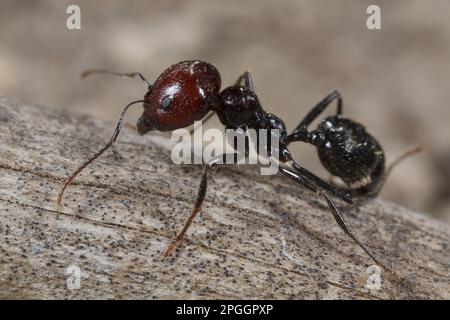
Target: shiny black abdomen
349	152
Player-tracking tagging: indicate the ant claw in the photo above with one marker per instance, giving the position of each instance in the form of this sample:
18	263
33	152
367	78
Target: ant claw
172	247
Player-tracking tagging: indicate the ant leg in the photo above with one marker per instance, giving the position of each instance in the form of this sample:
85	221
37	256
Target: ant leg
300	130
339	192
247	78
87	73
320	107
95	156
310	184
197	207
198	202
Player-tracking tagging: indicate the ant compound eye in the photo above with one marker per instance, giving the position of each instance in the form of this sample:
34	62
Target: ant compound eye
166	102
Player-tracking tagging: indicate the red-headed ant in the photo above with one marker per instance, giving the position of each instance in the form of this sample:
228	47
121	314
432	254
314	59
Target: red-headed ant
189	90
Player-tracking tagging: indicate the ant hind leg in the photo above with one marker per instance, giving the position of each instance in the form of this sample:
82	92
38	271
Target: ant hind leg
374	192
321	190
247	79
324	192
300	131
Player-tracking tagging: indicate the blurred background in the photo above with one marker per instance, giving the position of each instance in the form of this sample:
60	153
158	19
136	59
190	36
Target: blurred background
394	80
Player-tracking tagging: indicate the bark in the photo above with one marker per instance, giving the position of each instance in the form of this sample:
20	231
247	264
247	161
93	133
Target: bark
260	237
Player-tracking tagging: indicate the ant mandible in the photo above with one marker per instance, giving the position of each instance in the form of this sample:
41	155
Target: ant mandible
189	90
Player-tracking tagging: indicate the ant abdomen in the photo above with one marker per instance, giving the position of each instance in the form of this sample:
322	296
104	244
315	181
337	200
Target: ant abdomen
347	151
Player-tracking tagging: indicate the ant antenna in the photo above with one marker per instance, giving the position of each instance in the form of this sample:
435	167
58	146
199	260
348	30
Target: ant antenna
95	156
88	72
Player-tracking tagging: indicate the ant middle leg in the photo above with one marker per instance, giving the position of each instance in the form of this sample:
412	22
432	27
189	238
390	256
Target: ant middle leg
247	79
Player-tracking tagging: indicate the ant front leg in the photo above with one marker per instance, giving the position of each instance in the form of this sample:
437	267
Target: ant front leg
300	132
108	145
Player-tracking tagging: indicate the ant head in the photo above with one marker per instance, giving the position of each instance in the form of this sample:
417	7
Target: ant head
346	150
181	95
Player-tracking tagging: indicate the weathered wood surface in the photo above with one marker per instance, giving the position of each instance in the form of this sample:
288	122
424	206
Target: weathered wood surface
258	236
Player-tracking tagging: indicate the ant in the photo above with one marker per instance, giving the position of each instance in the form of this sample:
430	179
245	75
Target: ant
189	90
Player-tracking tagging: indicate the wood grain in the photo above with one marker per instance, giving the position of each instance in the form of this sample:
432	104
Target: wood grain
257	237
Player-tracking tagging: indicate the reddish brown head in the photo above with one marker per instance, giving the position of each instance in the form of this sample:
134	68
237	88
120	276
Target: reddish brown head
181	95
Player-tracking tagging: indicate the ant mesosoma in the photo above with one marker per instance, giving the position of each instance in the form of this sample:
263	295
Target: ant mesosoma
189	90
